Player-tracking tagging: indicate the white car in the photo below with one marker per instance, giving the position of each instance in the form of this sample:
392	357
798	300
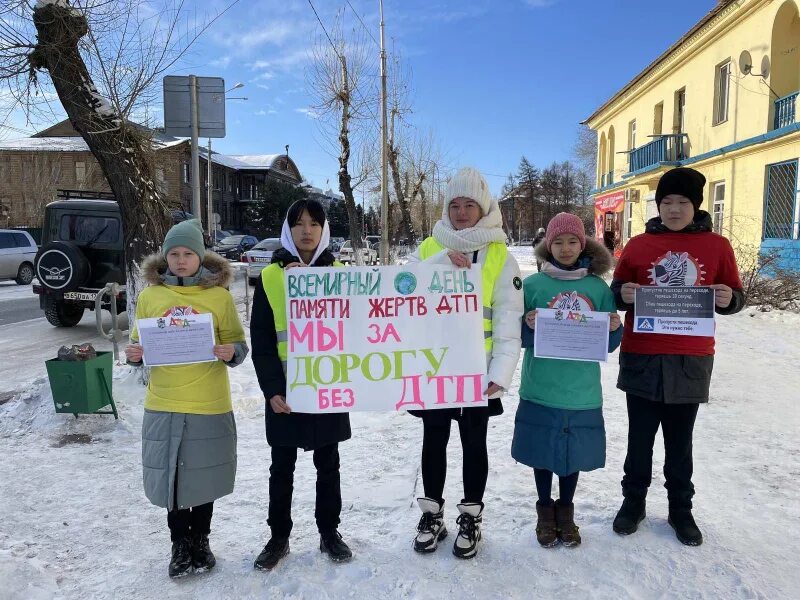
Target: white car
259	256
368	253
17	253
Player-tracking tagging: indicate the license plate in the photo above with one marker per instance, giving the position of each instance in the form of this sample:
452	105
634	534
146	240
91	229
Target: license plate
260	259
80	296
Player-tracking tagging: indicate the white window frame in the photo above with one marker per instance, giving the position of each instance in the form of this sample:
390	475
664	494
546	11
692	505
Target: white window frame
722	92
187	178
632	135
80	171
627	221
718	190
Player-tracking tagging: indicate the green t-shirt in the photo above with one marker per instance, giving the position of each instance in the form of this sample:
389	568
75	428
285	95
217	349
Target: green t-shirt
567	384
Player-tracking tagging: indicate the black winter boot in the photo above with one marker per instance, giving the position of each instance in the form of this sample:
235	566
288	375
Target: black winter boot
202	557
181	563
629	516
686	529
272	553
431	528
332	544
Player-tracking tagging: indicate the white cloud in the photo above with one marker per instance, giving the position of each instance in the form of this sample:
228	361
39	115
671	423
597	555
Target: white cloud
309	112
262	86
275	33
262	112
222	62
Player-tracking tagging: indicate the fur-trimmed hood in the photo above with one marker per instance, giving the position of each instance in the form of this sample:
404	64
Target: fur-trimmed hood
600	259
216	271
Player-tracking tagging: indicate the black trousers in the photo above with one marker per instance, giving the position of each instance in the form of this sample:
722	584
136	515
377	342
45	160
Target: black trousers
475	466
677	425
281	485
185	521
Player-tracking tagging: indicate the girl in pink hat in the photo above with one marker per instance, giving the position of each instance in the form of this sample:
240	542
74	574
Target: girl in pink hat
559	425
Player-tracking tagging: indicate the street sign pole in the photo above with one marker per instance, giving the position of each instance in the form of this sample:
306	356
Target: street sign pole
209	199
196	206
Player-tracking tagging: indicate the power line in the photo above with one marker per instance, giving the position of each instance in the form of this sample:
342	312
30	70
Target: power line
323	29
362	23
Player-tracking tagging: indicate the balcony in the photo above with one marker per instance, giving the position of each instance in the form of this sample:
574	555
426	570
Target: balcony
607	179
665	148
786	110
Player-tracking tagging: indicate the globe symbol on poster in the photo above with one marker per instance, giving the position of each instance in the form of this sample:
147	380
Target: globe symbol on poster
405	283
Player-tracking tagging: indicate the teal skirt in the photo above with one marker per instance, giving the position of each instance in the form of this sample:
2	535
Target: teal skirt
559	440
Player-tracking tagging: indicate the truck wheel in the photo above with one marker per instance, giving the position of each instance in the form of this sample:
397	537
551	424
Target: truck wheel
25	274
62	314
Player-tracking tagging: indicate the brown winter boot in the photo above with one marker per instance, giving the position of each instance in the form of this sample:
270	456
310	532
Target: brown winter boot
565	522
546	531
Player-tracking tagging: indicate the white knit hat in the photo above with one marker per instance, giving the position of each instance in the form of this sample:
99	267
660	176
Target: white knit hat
469	183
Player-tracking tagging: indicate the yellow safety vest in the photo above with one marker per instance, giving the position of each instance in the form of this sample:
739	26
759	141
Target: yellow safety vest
274	288
490	273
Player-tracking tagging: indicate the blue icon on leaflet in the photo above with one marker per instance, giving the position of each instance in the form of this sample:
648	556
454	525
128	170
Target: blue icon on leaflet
646	324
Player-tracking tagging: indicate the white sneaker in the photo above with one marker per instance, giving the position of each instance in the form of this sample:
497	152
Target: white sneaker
431	527
469	530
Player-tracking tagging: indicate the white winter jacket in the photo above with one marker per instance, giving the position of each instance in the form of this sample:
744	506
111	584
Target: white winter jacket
507	308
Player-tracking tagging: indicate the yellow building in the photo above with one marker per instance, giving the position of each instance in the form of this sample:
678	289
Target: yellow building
724	100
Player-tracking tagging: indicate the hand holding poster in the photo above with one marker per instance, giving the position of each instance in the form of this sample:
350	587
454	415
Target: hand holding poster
674	310
177	340
571	335
384	339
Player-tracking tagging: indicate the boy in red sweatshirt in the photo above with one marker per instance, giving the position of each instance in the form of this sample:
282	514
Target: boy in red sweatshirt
667	377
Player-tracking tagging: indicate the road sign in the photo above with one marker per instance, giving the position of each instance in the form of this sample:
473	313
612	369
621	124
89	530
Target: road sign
210	106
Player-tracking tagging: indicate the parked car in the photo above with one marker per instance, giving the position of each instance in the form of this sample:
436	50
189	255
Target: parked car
82	250
259	256
374	240
17	253
347	256
218	235
233	246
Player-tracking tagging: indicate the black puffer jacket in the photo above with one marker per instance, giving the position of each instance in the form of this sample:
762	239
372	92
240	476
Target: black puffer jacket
298	430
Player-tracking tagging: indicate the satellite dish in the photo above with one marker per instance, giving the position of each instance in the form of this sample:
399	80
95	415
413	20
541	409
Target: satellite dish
745	62
765	67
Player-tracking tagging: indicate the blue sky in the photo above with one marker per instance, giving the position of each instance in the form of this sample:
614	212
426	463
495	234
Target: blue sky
493	79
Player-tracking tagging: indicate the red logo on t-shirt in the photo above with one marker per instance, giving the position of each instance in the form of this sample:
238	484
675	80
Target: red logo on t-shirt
676	269
571	301
180	311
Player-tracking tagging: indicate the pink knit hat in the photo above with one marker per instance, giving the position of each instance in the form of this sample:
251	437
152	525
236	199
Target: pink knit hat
565	223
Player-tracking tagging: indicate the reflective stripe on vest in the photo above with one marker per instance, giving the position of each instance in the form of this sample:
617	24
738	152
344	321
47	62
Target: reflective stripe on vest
272	282
490	272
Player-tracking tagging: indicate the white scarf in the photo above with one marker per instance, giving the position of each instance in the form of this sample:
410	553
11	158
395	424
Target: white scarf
288	243
553	271
489	229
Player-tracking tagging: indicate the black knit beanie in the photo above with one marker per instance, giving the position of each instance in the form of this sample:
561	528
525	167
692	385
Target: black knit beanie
684	182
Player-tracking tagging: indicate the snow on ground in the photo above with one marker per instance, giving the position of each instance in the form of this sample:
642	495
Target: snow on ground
74	522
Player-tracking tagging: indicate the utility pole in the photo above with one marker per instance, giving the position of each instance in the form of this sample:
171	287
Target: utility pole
384	155
196	206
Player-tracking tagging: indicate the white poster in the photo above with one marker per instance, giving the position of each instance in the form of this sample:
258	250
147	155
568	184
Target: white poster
571	335
384	338
177	340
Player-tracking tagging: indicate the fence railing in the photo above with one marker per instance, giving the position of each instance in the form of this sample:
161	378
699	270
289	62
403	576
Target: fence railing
665	148
786	110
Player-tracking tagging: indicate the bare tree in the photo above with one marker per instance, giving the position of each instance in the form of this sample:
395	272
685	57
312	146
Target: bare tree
585	151
124	47
344	106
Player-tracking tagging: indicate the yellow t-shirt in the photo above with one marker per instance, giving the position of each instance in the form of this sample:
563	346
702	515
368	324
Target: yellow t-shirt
201	388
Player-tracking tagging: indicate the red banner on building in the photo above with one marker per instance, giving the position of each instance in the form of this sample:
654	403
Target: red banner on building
608	211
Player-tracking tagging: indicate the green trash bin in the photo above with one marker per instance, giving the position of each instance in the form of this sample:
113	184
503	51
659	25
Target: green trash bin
82	387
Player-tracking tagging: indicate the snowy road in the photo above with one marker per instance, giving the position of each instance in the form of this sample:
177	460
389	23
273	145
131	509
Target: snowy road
28	342
74	522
